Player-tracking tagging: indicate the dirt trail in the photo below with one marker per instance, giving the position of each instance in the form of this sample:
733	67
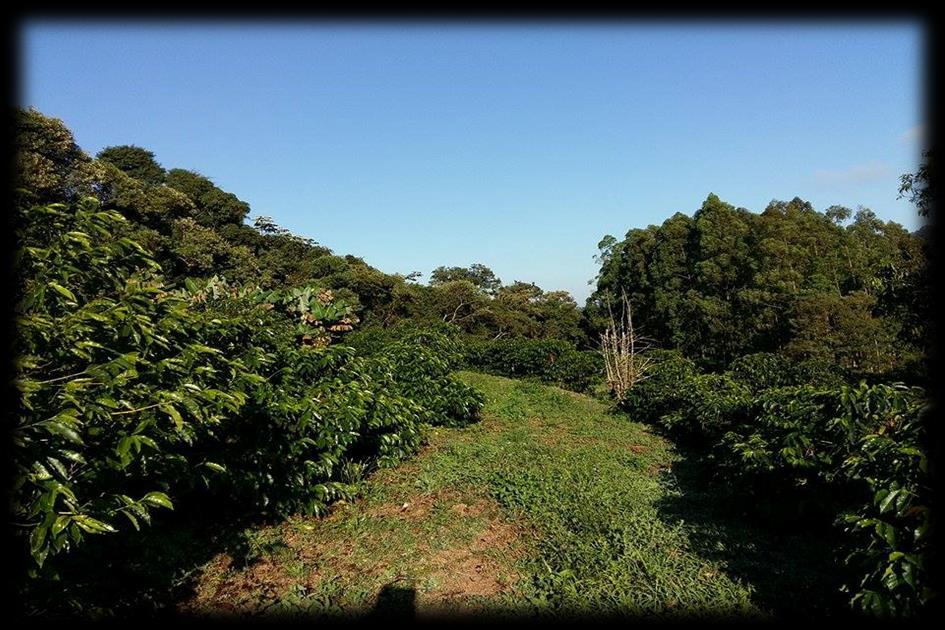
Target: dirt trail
398	549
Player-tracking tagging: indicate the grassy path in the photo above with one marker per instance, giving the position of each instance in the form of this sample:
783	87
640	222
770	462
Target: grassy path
548	505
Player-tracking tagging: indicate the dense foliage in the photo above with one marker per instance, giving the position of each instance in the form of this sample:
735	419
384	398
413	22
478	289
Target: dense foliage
554	361
196	229
134	395
799	352
551	361
171	349
801	440
727	282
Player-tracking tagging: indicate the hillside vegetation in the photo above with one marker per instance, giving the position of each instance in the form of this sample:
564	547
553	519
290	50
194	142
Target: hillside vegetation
180	367
549	506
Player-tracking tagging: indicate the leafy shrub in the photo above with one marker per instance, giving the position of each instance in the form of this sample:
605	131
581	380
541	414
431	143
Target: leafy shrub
133	395
862	444
820	373
112	377
515	357
550	360
798	437
421	363
708	404
576	370
887	424
373	340
763	370
661	393
766	370
789	431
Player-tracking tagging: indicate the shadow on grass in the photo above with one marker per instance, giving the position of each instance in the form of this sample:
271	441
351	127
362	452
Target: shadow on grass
140	574
395	602
793	564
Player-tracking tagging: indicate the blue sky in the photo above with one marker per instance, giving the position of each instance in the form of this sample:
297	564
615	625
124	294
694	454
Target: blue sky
514	145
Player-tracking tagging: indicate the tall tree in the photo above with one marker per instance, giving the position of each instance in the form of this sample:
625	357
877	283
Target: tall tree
478	274
728	282
215	207
49	165
137	162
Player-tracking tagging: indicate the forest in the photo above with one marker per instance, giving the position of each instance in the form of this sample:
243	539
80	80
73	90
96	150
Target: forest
179	361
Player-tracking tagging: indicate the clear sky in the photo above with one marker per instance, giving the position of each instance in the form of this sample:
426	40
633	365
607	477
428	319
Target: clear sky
514	145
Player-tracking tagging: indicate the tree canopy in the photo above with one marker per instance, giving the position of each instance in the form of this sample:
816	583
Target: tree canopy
727	282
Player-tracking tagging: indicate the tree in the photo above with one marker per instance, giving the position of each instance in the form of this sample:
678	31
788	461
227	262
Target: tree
50	166
155	207
137	162
918	186
462	303
727	282
215	207
478	274
523	309
843	330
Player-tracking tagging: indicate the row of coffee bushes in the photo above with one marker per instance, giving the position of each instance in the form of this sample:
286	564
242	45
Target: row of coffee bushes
804	435
133	396
549	360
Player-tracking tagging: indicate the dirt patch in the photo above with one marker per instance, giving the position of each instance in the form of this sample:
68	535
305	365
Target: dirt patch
412	508
246	591
466	510
320	552
489	426
655	470
451	572
473	569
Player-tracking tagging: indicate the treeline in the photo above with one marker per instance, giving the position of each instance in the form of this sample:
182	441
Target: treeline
835	285
794	355
727	282
168	351
195	229
139	388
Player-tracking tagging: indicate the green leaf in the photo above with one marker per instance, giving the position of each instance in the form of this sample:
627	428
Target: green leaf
61	290
37	537
170	410
62	521
158	499
59	428
132	518
91	525
887	502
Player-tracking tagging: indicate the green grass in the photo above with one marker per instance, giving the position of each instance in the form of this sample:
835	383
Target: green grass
551	505
591	485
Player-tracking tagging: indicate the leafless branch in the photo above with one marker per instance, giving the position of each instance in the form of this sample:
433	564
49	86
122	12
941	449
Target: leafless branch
625	352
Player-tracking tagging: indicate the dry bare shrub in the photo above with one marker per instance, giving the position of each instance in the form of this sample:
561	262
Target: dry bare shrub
625	352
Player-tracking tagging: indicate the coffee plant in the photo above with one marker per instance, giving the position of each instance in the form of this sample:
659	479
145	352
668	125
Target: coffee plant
134	395
800	435
550	360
